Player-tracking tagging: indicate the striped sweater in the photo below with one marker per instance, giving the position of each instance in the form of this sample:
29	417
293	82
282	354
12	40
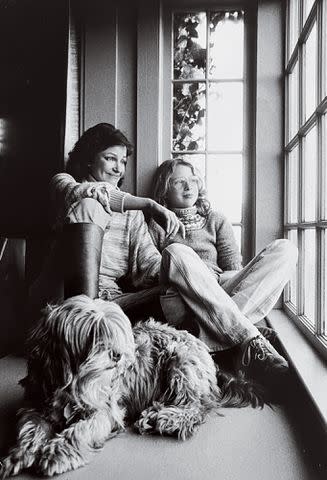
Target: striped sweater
127	251
65	191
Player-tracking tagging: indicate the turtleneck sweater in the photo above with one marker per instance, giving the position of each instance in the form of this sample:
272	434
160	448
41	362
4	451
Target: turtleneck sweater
210	236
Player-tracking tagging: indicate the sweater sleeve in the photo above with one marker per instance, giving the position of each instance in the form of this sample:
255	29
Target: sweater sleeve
145	259
229	257
65	191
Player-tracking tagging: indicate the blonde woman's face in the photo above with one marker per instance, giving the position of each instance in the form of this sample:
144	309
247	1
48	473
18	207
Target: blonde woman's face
109	165
183	189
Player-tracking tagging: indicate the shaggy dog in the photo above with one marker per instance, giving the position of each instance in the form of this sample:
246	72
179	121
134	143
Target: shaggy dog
90	373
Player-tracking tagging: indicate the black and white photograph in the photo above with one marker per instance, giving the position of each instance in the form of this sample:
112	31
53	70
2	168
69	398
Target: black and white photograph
163	239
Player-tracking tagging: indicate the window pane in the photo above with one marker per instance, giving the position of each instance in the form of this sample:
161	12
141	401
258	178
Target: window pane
307	7
292	185
310	174
224	185
199	161
309	274
293	24
190	37
291	291
324	286
293	101
226	45
310	72
324	169
189	116
225	116
238	236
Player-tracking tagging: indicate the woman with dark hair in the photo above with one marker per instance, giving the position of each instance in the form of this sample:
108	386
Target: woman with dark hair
204	268
94	140
104	237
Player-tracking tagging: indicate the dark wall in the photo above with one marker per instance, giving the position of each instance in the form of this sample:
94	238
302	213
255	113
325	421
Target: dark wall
13	322
33	59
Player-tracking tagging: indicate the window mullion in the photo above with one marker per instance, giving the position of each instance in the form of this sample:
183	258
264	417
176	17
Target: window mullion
300	286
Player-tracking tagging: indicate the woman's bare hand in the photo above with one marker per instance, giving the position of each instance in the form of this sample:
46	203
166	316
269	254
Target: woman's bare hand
100	192
166	219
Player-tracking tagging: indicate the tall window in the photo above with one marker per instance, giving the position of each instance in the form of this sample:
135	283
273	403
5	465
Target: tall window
207	83
305	163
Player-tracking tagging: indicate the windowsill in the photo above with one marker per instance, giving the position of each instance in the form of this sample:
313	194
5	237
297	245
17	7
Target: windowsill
307	363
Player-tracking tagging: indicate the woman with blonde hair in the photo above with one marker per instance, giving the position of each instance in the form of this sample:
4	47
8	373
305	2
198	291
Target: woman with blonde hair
205	271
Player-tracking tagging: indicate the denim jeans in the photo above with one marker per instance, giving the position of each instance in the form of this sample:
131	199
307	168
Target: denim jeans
227	311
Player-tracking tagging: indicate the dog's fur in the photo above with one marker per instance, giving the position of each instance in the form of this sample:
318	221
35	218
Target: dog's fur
90	373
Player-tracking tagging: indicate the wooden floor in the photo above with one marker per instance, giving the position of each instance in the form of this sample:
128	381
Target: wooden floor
284	443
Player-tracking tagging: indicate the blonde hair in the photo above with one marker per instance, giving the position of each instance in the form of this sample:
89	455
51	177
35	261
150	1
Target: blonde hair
161	180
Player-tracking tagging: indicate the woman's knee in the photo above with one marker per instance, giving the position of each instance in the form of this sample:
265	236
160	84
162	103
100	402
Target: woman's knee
177	249
179	252
286	250
88	210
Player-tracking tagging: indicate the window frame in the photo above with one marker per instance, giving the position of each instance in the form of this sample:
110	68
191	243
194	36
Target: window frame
313	328
249	91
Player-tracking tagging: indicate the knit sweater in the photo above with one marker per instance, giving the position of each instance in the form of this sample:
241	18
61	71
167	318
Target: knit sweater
211	237
65	191
127	248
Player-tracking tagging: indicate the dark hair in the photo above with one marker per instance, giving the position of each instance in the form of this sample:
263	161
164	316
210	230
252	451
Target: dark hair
161	184
94	140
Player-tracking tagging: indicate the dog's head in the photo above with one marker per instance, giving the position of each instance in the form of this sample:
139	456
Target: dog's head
81	345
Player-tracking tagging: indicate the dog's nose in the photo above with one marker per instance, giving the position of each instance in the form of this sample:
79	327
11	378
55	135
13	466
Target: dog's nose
116	356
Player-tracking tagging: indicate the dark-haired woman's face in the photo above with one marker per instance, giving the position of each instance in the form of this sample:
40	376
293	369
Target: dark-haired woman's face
109	165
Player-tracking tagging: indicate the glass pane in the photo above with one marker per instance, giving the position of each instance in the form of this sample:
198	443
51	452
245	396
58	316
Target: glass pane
292	185
307	7
226	45
310	274
293	25
324	169
310	69
189	116
324	286
190	39
310	174
291	290
225	116
199	161
293	101
238	236
224	185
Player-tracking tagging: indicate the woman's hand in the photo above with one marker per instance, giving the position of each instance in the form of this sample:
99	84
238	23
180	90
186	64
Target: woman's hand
166	219
100	192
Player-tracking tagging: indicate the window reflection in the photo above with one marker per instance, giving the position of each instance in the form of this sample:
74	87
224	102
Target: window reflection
310	78
225	116
310	175
310	274
224	171
226	45
293	182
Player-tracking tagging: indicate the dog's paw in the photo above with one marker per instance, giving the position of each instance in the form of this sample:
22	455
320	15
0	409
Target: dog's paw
15	462
58	457
147	422
10	466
